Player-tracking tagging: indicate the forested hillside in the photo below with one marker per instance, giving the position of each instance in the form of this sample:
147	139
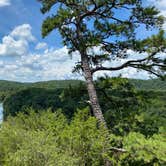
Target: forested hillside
151	84
8	87
119	99
135	118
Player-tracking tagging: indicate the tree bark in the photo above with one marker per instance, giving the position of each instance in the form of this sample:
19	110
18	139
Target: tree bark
92	91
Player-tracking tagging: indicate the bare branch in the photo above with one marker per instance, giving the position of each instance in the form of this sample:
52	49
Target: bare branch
130	63
148	70
118	149
126	64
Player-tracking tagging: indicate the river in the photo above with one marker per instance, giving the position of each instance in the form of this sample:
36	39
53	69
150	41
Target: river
1	112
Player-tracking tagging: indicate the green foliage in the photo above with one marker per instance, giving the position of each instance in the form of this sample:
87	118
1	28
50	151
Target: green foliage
9	87
47	138
123	103
68	99
142	151
151	84
33	97
125	108
87	24
128	110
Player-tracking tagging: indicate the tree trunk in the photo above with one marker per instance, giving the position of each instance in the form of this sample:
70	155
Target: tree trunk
92	91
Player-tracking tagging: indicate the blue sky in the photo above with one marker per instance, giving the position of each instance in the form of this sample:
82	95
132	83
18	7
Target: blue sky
25	12
26	57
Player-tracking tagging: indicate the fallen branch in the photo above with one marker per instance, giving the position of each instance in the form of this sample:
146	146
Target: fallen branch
118	149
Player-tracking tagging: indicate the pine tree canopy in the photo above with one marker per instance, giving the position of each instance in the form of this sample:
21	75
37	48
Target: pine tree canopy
112	25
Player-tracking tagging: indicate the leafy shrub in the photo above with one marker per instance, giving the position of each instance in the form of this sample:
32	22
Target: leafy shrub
142	151
47	138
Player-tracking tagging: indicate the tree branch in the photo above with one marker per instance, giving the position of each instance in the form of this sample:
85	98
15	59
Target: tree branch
118	149
126	64
148	70
130	63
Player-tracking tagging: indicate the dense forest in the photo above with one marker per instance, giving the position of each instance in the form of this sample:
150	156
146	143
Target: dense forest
8	87
135	118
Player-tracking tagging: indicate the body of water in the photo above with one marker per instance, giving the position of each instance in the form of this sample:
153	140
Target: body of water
1	112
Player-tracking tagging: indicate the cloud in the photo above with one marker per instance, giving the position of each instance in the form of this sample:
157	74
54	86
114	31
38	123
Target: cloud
23	32
11	47
4	3
54	64
19	63
41	46
161	5
17	42
51	65
128	72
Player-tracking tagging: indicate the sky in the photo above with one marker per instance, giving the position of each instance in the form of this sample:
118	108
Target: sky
26	57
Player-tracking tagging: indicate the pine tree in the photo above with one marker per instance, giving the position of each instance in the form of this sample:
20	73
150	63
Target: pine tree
112	26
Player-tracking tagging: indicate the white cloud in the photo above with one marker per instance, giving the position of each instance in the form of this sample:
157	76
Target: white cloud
17	42
20	64
1	64
23	32
126	72
53	64
11	47
41	46
4	3
161	5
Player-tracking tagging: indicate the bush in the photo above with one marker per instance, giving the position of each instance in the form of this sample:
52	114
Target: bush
142	151
47	138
